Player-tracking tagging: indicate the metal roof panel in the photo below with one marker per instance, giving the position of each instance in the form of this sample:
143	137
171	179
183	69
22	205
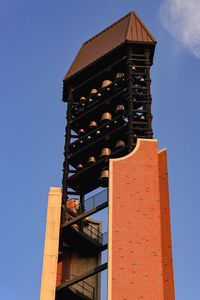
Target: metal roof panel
128	28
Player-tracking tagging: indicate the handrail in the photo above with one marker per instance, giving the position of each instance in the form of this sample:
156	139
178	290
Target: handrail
92	231
82	277
88	204
84	287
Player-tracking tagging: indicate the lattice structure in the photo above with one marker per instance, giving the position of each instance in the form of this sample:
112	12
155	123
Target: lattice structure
109	105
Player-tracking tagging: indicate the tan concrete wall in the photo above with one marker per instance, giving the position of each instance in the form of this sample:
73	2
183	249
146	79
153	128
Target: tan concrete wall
137	227
49	270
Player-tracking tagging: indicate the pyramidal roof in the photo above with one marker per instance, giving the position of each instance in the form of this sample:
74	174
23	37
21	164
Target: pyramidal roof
129	28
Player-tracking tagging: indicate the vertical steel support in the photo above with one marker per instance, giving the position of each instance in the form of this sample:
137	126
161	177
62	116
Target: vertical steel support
82	209
148	99
130	99
82	198
66	156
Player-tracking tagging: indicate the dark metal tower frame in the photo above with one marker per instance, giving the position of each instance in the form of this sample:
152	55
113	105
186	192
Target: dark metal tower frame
126	70
135	97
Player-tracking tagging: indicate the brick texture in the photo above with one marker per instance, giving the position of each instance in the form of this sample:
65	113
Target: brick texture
140	257
168	278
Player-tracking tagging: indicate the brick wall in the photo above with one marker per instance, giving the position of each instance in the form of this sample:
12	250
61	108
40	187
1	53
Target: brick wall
138	248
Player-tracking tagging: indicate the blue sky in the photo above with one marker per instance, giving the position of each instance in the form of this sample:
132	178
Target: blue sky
38	41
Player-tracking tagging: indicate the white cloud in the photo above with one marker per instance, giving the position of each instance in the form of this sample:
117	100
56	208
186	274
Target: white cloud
182	19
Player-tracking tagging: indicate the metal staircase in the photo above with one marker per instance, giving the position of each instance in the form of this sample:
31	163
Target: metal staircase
76	288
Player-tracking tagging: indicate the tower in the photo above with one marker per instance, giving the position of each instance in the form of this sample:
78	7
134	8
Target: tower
109	145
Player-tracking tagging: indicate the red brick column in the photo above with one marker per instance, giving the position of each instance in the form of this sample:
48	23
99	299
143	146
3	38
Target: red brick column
168	276
138	247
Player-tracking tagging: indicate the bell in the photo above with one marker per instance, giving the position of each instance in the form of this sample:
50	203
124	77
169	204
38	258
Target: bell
99	95
90	100
81	131
119	75
142	117
141	79
93	91
105	152
133	68
103	179
106	117
106	83
93	124
82	99
89	137
79	167
120	108
91	160
120	144
98	132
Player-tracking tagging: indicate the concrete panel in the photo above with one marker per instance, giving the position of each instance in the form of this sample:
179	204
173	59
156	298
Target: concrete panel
52	230
49	263
49	271
48	280
46	294
53	214
51	247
